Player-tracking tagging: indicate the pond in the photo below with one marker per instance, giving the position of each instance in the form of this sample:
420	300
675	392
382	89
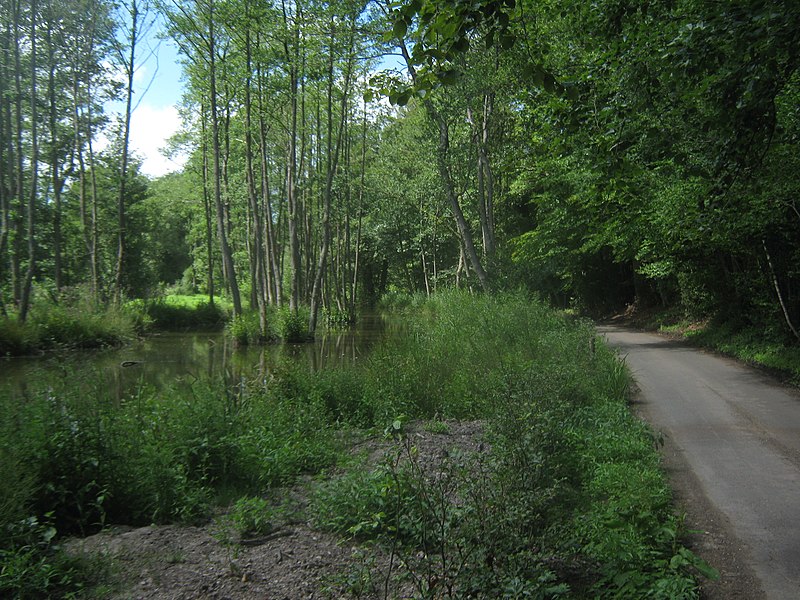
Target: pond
169	359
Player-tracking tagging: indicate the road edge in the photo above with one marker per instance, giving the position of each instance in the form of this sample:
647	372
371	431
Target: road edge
710	535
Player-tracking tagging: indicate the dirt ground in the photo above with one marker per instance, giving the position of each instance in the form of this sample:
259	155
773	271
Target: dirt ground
297	562
294	562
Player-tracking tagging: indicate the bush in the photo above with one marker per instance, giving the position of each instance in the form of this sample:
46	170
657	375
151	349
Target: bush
245	329
16	339
569	501
173	314
293	326
55	326
566	500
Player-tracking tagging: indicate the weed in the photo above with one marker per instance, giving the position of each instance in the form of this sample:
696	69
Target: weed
252	516
436	426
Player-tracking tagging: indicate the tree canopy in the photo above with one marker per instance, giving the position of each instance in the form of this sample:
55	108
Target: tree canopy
604	154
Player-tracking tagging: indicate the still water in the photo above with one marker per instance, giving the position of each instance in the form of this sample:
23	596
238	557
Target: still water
168	360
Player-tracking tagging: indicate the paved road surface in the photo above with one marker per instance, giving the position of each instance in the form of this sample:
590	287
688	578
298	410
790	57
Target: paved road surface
740	435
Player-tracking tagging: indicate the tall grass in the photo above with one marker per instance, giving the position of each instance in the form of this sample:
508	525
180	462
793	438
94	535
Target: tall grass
281	324
176	313
81	462
567	500
570	501
65	326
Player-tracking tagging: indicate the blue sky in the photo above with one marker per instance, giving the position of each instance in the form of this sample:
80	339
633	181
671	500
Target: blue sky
157	92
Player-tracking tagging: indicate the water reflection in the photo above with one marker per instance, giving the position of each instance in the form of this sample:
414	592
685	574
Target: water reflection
175	359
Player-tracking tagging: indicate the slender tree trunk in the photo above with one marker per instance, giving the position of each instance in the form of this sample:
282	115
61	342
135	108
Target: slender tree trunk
34	183
257	259
778	292
56	181
16	251
354	294
130	64
291	165
6	154
272	249
95	224
332	164
447	180
485	176
227	258
207	208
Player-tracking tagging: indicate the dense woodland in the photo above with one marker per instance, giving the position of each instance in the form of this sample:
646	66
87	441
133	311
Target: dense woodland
602	153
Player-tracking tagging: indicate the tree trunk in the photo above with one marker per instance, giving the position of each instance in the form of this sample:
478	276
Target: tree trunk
447	180
291	165
130	64
19	193
207	208
6	155
332	165
257	253
227	258
777	287
25	301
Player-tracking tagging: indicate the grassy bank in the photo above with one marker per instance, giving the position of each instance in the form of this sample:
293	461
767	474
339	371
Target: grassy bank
77	323
181	312
567	500
53	326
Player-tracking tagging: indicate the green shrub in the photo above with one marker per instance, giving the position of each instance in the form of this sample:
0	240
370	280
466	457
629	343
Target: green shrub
293	326
252	516
16	338
245	329
334	318
565	500
58	326
568	502
173	315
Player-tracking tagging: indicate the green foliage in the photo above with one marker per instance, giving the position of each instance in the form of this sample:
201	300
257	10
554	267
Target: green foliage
281	324
16	338
63	326
565	498
771	350
568	500
156	457
252	516
33	567
334	318
175	313
293	326
245	329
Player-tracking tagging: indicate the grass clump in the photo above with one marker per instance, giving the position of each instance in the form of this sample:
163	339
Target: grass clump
568	500
281	324
52	326
157	457
770	345
565	500
177	313
772	350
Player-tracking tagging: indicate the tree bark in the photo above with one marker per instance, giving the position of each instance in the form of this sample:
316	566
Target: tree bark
34	182
227	258
332	165
774	278
291	165
130	64
447	180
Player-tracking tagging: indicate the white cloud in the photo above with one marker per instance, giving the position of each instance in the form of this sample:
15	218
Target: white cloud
151	126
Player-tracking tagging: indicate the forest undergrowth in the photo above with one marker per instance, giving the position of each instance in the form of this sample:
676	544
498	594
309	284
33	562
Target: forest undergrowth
566	498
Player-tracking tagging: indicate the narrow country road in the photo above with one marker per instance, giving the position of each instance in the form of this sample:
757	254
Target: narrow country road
739	434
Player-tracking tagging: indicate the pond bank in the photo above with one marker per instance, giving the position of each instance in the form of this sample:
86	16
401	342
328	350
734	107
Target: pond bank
565	497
